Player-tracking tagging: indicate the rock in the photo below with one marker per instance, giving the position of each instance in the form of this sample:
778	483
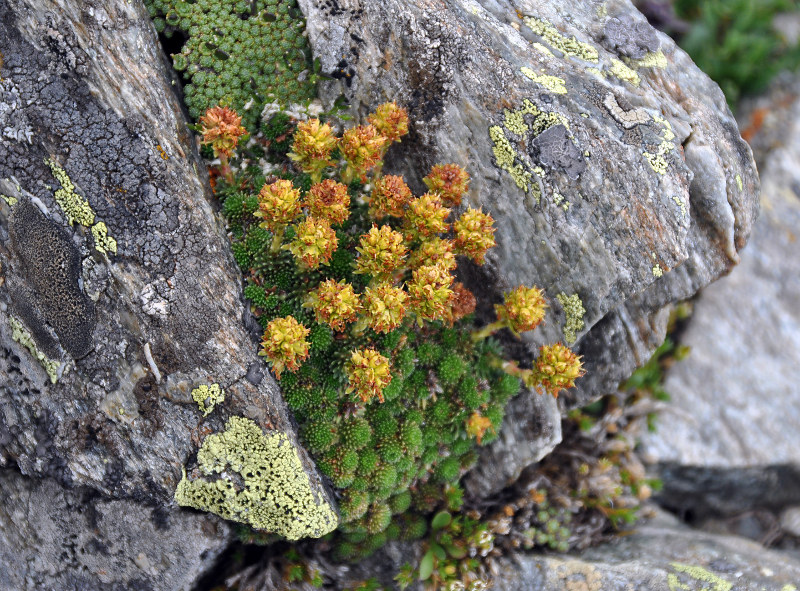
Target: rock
120	298
736	394
611	164
659	555
790	521
77	539
531	430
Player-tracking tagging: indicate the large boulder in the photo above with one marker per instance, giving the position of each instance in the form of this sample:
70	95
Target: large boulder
610	162
736	396
123	349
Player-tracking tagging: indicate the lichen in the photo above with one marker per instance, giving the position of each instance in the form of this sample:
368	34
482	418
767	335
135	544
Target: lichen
505	155
260	481
208	397
102	241
21	335
574	310
680	202
566	45
552	83
652	59
739	182
75	207
543	49
657	271
698	573
12	201
657	160
619	70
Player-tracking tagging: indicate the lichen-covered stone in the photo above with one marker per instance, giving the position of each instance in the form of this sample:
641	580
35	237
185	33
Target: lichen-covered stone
611	165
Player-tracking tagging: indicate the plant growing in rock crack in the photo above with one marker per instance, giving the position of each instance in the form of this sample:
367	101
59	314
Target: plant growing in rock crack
369	334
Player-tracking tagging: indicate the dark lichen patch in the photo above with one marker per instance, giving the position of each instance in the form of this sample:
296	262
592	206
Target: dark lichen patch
51	263
554	149
630	38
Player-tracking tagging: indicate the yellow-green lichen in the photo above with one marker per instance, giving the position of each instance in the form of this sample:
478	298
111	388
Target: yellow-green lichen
658	160
551	83
514	121
260	481
698	573
623	72
505	155
208	397
21	335
788	587
542	48
739	182
75	207
657	271
680	202
102	241
574	310
12	201
652	59
566	45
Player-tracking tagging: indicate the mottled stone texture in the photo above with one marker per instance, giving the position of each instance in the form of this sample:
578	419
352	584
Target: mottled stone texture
658	556
737	396
622	181
83	85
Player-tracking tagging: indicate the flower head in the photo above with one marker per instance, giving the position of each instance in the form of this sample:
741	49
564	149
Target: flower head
390	120
368	373
434	251
425	217
284	344
362	148
477	425
278	204
474	234
381	252
385	307
557	368
430	292
329	200
221	127
314	243
313	143
462	303
389	196
523	309
334	303
449	181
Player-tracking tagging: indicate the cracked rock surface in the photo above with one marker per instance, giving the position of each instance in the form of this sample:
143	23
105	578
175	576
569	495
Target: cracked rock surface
610	162
118	297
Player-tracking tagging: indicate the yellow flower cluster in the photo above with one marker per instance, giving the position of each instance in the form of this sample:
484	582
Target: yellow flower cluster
557	368
284	344
314	142
523	309
385	307
391	121
334	303
278	204
477	425
381	252
314	242
368	373
221	127
449	181
390	196
425	217
474	234
435	251
362	148
430	293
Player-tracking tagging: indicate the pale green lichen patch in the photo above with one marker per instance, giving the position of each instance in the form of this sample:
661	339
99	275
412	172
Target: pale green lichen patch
102	241
739	182
623	72
652	59
574	310
538	46
566	45
680	202
12	201
698	573
75	207
505	155
559	200
657	271
658	160
552	83
260	481
21	335
208	397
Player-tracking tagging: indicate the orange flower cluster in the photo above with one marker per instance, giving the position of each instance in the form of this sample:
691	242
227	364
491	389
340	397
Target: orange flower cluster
449	181
329	200
221	127
425	217
430	292
390	196
391	121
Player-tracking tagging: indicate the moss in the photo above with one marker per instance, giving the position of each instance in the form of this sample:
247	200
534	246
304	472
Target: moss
208	397
261	481
75	207
20	334
552	83
566	45
573	308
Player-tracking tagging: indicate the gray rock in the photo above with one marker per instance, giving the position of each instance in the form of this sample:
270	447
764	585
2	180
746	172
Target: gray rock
736	395
118	292
57	538
623	181
661	555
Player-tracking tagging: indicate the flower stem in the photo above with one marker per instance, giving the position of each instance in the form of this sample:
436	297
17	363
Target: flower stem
277	239
487	330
